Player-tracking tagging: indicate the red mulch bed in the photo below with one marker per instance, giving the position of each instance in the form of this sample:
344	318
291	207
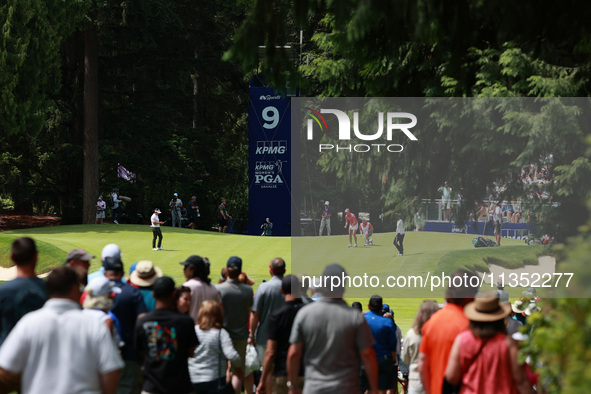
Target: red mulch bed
10	220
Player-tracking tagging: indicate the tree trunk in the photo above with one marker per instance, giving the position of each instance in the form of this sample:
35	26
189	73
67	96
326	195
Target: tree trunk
196	122
90	188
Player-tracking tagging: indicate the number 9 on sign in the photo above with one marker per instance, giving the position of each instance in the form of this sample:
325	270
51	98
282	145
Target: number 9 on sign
271	116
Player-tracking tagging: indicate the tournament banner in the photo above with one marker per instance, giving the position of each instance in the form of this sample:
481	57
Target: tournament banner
269	161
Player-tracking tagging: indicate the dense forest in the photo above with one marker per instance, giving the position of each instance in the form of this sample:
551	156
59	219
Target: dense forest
150	96
93	93
135	95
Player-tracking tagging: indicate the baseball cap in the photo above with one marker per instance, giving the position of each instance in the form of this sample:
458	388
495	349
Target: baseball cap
113	264
100	197
111	250
326	203
101	286
193	260
157	210
145	274
163	287
235	263
176	194
193	197
347	210
79	254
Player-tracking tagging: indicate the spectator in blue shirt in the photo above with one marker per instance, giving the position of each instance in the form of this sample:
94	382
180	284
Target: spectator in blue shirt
384	333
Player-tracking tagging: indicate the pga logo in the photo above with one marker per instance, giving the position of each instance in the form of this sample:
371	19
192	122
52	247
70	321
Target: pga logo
273	179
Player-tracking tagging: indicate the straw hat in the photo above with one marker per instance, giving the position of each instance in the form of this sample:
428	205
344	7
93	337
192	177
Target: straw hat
519	306
145	274
486	308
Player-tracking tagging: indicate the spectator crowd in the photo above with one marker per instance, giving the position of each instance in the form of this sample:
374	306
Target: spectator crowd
105	333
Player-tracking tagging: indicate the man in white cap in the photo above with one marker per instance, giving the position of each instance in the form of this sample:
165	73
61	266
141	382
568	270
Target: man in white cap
175	209
325	222
110	250
155	220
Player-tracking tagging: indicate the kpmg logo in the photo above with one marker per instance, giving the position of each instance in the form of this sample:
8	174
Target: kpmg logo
394	124
269	97
271	147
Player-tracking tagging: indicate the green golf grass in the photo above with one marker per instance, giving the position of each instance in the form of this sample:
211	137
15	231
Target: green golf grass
425	252
135	242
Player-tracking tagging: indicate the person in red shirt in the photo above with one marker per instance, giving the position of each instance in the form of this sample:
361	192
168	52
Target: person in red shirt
351	220
484	359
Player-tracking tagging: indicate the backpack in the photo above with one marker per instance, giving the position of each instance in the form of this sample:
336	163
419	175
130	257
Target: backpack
490	242
481	242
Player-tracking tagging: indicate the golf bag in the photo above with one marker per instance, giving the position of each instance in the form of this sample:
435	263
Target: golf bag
481	242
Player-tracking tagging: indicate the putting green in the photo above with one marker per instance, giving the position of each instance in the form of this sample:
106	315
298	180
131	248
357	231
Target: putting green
423	253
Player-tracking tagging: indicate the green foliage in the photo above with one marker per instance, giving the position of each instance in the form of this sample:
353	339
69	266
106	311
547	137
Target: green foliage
171	111
31	34
359	54
426	48
560	336
6	202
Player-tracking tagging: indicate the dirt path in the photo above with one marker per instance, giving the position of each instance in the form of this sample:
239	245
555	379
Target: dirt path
9	220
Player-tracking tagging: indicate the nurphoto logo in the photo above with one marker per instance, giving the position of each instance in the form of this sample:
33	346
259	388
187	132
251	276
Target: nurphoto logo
394	124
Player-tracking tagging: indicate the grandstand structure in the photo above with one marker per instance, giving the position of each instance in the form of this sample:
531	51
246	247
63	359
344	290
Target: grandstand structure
431	218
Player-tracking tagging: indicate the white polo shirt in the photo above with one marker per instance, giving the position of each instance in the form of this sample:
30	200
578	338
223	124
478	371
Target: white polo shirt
60	349
154	219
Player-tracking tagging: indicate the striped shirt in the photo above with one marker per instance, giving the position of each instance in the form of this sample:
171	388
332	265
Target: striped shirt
209	360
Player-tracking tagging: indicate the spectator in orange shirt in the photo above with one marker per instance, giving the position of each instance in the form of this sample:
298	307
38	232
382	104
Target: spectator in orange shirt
440	331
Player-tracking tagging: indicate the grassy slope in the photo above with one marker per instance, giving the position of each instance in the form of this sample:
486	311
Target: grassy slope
424	252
